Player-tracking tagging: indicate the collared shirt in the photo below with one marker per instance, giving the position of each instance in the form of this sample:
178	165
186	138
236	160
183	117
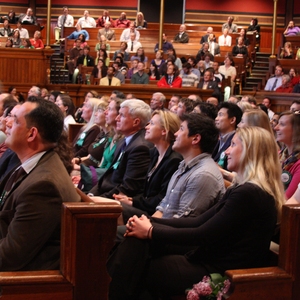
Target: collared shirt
137	78
125	36
193	188
29	164
23	33
88	22
68	22
271	81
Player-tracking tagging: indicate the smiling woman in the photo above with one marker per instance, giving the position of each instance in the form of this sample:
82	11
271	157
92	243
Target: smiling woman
243	222
287	132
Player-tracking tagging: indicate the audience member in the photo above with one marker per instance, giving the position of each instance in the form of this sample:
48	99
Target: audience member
28	18
174	101
37	196
240	50
64	20
171	79
287	132
126	33
225	39
181	36
185	106
163	163
36	42
295	106
86	21
286	51
123	48
286	86
207	83
107	32
230	26
89	131
206	109
6	31
118	74
291	29
205	37
122	22
140	22
229	116
165	44
75	34
133	45
153	72
65	104
295	78
157	101
140	77
267	103
16	39
177	244
105	18
188	78
100	70
110	79
243	35
214	47
23	31
274	82
128	172
140	56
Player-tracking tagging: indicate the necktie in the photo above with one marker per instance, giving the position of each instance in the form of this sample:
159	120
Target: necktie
17	174
85	61
63	20
274	85
170	80
131	46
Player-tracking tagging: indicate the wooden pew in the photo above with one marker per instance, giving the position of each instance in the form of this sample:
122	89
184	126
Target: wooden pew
87	235
278	282
286	64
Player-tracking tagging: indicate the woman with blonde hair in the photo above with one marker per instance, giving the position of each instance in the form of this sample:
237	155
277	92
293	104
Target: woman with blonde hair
255	117
89	131
286	51
287	132
164	162
165	256
140	22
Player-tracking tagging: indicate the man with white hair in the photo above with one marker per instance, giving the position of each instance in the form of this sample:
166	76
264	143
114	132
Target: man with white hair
107	32
34	91
181	36
86	21
128	171
157	101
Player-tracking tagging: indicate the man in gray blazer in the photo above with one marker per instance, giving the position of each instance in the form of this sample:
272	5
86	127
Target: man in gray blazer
107	32
32	194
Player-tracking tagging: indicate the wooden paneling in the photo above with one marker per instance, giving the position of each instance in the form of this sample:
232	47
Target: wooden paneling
24	65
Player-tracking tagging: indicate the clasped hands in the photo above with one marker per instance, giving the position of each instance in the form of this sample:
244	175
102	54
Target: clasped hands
139	227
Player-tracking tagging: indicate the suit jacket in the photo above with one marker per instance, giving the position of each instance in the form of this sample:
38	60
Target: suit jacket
9	31
30	217
184	38
90	60
128	171
212	85
109	34
157	184
115	81
216	49
216	155
22	16
8	161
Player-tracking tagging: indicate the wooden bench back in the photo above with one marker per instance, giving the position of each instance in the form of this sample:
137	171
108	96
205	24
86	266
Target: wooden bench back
279	282
87	235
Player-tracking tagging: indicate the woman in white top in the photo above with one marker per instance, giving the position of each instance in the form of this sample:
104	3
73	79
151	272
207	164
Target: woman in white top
65	103
228	70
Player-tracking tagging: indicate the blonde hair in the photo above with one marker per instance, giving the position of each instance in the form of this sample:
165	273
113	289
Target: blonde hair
243	105
93	103
258	118
169	121
260	162
137	22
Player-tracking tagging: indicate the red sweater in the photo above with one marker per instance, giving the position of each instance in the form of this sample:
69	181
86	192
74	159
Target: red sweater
163	82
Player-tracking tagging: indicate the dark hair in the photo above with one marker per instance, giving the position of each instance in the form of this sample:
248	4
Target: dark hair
119	94
10	89
55	94
188	103
47	118
67	101
9	101
174	53
208	109
193	59
104	54
126	45
156	73
233	111
187	65
8	108
142	57
205	126
83	40
263	108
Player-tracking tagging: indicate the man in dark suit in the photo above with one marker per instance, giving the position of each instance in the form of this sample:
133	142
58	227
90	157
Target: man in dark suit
204	38
208	82
84	60
128	172
32	194
181	36
229	116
